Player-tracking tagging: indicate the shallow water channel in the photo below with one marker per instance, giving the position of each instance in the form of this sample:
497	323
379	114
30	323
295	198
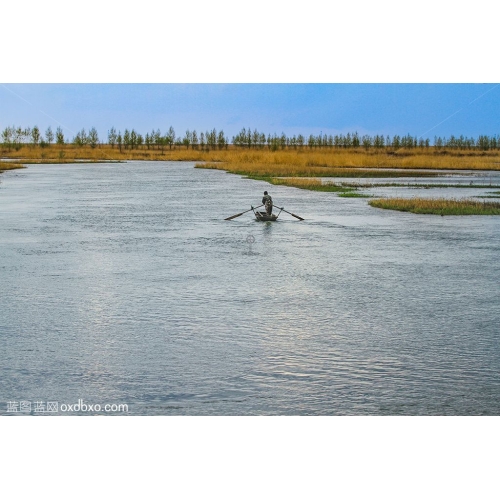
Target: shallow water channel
122	283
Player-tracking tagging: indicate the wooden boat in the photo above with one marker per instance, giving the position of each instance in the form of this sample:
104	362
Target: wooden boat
263	216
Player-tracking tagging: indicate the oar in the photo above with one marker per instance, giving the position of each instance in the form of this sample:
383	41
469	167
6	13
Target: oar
237	215
296	216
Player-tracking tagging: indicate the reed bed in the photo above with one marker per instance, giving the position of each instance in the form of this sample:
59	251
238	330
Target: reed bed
309	184
311	159
283	170
69	153
4	165
354	195
418	186
288	162
438	206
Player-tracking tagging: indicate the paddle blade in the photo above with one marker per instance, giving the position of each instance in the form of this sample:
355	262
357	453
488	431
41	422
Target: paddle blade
234	216
237	215
296	216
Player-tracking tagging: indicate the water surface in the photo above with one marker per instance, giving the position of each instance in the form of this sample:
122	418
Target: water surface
123	284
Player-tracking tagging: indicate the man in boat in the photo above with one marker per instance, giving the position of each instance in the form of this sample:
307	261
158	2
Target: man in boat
267	201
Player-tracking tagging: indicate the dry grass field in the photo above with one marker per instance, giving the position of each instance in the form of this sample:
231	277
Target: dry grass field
10	165
305	162
309	162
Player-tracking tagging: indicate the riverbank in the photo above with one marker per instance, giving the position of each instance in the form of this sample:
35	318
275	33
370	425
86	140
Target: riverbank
10	166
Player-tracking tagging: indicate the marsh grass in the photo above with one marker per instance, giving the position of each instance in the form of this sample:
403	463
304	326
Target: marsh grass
70	153
284	170
418	186
461	186
288	162
309	184
4	165
438	206
355	195
310	160
314	163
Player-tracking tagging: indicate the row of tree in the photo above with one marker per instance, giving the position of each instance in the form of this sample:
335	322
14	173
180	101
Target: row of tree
248	139
131	139
155	139
17	136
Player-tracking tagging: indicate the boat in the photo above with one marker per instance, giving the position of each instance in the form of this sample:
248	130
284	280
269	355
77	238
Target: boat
263	216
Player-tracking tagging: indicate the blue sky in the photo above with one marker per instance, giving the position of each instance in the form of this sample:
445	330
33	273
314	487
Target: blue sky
418	109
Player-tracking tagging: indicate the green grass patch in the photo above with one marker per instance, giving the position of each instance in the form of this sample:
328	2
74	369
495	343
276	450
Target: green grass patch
303	183
462	186
275	170
310	184
352	194
438	206
418	186
370	173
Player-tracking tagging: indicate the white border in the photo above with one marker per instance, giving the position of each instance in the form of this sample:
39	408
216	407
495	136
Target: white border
250	457
262	41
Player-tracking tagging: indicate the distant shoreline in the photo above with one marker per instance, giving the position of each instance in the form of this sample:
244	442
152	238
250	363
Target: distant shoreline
300	169
10	166
311	162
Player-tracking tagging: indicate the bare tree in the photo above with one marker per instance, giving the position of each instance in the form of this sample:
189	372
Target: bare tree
171	136
112	137
7	136
188	137
194	140
49	135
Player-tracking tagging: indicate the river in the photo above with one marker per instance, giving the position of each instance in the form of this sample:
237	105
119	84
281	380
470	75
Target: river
123	284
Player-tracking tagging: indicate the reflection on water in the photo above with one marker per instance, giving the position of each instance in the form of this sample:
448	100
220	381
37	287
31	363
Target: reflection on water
123	283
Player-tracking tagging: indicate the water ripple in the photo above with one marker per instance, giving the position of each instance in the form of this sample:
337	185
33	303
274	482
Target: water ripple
126	284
